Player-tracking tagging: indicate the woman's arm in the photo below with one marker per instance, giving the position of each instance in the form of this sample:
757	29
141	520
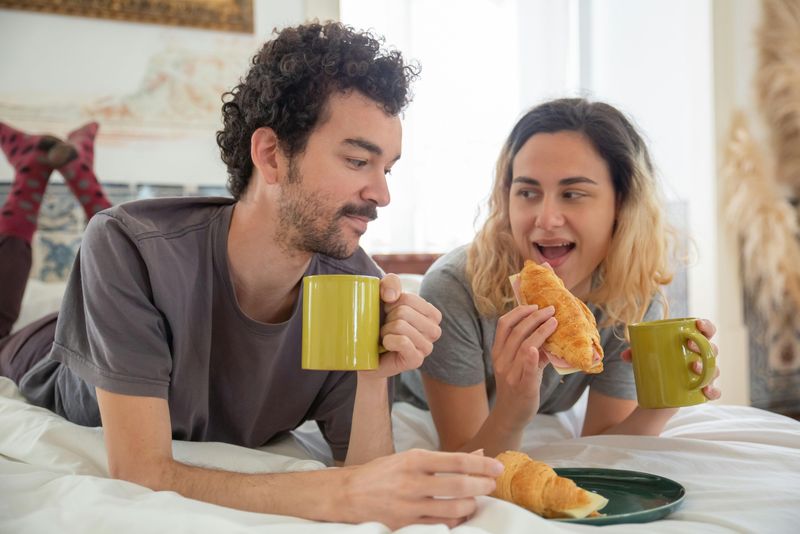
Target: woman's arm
462	415
610	415
464	421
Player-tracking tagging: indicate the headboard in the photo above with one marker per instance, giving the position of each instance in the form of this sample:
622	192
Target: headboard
405	263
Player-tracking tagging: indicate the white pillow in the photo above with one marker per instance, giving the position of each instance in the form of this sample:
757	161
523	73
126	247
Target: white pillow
40	299
411	282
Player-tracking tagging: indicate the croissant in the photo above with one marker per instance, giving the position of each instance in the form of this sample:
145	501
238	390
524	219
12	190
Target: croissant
536	487
576	341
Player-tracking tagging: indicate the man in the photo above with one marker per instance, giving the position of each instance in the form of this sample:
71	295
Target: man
181	318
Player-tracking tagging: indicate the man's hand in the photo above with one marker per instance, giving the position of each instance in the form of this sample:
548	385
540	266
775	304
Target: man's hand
410	328
406	488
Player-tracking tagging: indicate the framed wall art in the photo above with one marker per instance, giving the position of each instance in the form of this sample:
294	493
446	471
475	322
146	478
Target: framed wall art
223	15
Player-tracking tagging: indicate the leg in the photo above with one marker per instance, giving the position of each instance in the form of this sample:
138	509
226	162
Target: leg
25	348
19	214
21	350
28	155
75	162
14	271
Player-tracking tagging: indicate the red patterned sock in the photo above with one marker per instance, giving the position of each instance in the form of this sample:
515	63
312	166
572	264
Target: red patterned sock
78	170
28	155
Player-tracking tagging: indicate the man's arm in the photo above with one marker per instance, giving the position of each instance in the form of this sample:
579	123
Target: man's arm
397	490
371	430
410	328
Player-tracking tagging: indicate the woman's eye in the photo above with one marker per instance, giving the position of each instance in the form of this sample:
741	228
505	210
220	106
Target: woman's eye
572	195
526	193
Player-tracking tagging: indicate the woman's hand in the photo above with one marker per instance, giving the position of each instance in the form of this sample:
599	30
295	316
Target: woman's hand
519	361
707	328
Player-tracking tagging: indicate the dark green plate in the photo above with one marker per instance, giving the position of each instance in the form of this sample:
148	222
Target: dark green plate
633	497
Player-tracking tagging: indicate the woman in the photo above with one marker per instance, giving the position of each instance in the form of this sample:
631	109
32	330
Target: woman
574	187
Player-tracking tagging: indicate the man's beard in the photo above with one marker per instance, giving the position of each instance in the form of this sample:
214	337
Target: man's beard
308	223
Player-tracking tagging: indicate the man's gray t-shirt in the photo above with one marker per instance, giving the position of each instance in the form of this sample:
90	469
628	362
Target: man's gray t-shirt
462	356
150	310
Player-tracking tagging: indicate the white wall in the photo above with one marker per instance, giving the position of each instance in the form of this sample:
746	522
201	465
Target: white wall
653	60
483	62
735	61
59	72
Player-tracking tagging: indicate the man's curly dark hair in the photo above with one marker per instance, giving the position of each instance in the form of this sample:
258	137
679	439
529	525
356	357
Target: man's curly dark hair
290	80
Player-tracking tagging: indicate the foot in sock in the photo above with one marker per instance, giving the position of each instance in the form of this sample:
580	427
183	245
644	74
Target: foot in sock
75	161
28	155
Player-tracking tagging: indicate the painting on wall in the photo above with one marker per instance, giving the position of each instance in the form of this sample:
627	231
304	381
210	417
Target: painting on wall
224	15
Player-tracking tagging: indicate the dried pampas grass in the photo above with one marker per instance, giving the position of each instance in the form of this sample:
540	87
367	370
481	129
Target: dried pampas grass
778	84
765	224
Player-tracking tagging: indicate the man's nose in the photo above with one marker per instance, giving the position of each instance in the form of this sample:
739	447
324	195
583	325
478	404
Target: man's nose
377	190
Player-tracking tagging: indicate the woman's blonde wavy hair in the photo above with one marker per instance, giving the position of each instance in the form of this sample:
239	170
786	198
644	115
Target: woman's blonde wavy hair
637	264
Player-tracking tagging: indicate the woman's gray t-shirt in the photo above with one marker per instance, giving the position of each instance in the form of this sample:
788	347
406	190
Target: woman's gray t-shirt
462	356
150	310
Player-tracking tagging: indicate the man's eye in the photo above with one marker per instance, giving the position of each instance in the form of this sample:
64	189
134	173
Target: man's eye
357	163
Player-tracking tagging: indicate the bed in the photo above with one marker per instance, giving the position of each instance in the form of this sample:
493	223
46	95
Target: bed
740	467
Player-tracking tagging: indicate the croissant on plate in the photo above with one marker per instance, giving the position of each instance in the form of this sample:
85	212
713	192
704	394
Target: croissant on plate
576	342
536	487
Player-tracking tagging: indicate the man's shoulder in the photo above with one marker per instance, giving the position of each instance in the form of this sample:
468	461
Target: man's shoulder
164	217
359	263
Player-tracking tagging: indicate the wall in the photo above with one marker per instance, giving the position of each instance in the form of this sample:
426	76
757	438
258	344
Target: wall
154	89
735	61
679	68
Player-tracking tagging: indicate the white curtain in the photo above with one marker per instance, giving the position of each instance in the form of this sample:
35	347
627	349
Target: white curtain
483	62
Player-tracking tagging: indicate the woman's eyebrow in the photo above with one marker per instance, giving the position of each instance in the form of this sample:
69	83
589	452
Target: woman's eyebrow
525	180
564	181
577	180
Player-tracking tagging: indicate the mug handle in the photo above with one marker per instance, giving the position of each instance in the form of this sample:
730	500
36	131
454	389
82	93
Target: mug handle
708	359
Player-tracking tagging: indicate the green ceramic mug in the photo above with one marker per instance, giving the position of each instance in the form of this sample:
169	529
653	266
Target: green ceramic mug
662	363
341	322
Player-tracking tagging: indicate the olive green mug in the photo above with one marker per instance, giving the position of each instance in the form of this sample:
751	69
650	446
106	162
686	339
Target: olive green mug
341	322
662	363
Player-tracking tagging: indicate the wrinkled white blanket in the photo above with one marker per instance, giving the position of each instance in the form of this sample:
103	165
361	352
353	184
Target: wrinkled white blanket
740	467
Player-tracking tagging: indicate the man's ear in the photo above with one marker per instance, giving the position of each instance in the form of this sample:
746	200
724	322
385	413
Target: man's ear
264	152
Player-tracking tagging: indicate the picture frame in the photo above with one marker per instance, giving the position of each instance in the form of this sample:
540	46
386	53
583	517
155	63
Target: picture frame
222	15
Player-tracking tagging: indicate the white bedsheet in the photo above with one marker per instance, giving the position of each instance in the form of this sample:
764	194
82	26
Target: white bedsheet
740	467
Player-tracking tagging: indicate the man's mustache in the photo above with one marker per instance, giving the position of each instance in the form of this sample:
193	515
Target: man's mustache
370	211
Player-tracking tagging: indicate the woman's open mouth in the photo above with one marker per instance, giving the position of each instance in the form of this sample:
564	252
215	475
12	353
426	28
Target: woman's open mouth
555	253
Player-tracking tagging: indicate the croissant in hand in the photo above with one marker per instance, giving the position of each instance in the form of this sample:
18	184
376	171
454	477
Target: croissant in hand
535	486
576	341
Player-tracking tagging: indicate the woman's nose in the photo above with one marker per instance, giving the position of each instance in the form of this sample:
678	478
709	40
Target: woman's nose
550	215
